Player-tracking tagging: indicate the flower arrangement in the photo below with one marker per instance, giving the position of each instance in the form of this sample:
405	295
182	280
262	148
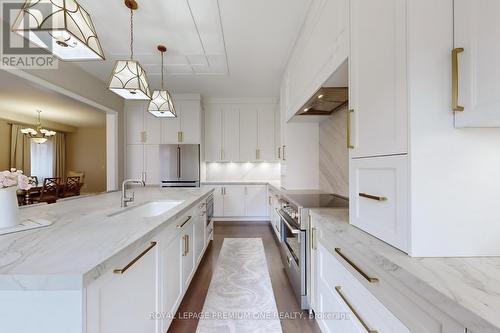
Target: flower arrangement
14	178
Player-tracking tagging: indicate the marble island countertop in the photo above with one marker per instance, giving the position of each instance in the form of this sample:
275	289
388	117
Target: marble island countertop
84	239
467	289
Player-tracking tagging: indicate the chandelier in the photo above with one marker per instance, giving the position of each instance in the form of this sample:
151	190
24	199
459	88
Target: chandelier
38	135
161	105
63	27
128	78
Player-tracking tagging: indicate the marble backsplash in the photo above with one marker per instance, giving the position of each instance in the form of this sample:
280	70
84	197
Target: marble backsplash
242	171
333	154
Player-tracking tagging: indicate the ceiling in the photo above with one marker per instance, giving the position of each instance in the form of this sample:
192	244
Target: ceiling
21	98
218	48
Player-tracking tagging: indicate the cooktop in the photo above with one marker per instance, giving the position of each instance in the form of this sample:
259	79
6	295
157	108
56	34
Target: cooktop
319	200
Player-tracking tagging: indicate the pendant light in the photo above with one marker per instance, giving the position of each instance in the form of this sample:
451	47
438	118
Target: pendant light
40	134
128	78
63	27
161	105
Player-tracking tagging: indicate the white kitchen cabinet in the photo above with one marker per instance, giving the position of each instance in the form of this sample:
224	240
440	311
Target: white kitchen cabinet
277	135
248	134
377	75
123	302
152	164
234	201
213	135
199	225
219	201
256	201
186	128
188	259
265	135
172	286
379	198
230	135
476	31
135	161
134	122
152	129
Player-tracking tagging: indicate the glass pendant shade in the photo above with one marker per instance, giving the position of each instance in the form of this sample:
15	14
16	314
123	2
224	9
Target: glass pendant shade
129	80
161	105
62	27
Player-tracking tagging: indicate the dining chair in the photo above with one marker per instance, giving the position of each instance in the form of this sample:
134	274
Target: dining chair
71	187
50	190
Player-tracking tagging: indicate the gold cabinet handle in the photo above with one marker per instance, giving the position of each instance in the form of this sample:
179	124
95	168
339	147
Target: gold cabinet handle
338	289
136	259
359	270
187	244
222	154
257	154
180	136
179	226
348	131
279	153
184	251
284	153
313	238
372	197
454	79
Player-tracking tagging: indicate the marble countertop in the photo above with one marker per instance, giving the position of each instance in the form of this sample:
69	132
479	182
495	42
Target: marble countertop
83	241
467	289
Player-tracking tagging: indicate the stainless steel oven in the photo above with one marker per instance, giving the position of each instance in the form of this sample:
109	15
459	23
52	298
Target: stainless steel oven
293	251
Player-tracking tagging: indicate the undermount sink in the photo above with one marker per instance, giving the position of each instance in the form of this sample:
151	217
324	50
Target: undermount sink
148	209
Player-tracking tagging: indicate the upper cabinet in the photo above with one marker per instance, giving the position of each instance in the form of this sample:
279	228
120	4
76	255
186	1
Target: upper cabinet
476	34
186	128
321	47
240	132
377	88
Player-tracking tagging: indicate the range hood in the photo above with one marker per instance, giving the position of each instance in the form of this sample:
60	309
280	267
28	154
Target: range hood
325	101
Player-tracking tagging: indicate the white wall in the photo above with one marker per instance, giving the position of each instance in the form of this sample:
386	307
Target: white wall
455	172
242	171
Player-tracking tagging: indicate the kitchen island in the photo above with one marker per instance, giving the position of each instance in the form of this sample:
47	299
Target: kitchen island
97	264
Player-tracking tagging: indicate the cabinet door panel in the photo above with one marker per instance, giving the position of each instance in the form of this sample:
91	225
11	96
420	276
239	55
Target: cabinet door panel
134	122
170	130
231	135
256	200
477	30
199	235
135	161
378	88
190	126
172	284
188	254
218	201
266	135
152	127
124	302
379	198
152	164
213	135
248	134
234	201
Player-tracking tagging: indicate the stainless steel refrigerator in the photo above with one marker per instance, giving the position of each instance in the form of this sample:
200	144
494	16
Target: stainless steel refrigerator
180	165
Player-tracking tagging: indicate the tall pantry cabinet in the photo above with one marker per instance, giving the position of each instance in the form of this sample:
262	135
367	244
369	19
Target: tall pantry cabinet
417	181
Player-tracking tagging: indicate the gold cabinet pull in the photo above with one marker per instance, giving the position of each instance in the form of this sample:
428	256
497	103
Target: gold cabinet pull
184	252
338	289
359	270
284	153
179	226
454	79
257	154
136	259
372	197
222	154
180	136
187	244
279	153
348	131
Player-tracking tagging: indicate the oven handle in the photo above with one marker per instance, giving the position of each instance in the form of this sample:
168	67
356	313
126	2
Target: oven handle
293	230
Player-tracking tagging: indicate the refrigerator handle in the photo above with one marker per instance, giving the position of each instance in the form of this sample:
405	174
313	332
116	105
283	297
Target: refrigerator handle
179	162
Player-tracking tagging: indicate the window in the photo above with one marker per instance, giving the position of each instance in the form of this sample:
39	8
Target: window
42	160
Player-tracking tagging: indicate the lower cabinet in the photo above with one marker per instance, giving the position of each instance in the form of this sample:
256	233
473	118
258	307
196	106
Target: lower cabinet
241	201
143	292
273	215
123	299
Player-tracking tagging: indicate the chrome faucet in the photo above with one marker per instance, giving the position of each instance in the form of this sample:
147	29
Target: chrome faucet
125	199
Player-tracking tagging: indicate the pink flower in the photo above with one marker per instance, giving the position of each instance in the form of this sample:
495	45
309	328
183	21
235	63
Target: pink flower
14	178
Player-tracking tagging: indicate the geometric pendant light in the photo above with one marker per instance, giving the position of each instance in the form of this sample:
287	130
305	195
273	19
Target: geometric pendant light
162	105
62	27
128	78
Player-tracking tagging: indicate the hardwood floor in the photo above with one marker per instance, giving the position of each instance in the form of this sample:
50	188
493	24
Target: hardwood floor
285	299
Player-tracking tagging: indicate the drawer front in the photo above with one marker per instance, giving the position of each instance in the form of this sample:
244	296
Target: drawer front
365	312
379	198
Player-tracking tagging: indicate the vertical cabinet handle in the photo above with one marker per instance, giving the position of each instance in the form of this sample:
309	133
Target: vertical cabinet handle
348	131
257	154
338	289
187	244
184	252
284	153
454	79
180	136
279	153
313	238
